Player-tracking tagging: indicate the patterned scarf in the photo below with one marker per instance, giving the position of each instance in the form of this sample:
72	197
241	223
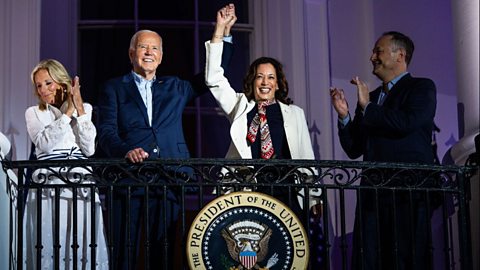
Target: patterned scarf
260	121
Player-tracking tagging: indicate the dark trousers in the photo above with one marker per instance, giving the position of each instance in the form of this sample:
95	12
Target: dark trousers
141	243
392	234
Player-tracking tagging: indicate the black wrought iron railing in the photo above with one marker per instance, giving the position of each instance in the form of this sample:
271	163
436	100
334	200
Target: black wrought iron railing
332	187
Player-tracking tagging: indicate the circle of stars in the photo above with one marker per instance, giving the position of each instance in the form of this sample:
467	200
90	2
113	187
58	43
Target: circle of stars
240	211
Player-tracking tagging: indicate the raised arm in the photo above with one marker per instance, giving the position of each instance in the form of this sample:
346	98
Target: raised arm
83	127
198	81
219	86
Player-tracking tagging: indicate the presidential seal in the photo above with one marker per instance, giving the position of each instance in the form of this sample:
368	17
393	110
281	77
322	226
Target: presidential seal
247	230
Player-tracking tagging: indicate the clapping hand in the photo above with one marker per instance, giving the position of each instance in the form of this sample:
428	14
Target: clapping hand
362	91
339	102
77	97
75	101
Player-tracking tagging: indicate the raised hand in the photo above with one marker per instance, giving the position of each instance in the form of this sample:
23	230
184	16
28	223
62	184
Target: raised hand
76	96
362	91
339	102
71	106
221	16
224	17
228	26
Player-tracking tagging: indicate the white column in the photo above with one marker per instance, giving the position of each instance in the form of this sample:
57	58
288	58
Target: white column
466	33
317	59
19	51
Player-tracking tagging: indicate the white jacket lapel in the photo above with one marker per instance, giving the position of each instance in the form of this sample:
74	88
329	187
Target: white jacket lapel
238	130
290	127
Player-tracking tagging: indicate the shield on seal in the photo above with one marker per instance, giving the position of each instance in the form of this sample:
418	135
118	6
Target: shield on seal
248	258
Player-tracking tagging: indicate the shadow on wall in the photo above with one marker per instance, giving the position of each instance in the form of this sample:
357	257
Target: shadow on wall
460	120
447	158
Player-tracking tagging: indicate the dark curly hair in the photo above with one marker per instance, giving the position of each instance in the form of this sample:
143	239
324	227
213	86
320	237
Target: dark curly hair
249	81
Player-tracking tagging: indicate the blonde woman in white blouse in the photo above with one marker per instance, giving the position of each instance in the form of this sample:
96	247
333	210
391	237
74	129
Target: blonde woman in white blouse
60	127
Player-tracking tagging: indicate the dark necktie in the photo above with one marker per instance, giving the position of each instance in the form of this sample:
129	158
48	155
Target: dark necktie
384	93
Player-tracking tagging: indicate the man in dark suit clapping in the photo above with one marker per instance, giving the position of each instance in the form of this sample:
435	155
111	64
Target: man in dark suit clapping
393	123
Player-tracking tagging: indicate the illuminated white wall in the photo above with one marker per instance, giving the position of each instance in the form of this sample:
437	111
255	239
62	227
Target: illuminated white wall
19	51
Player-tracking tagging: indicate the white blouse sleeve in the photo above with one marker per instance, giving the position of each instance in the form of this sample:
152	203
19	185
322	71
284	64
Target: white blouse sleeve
46	137
85	131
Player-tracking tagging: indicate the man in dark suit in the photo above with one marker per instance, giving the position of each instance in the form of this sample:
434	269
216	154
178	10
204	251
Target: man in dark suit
393	123
140	117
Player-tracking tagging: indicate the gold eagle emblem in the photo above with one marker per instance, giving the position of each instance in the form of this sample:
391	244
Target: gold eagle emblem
248	237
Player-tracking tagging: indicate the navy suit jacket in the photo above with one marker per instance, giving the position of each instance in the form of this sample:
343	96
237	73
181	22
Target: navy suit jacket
123	121
400	130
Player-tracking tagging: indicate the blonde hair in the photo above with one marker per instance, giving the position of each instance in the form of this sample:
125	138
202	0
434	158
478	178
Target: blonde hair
58	73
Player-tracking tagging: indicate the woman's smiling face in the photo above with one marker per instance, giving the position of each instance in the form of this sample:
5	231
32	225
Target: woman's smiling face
265	82
46	86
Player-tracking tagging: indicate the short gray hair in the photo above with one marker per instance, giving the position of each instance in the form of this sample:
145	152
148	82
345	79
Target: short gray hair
134	38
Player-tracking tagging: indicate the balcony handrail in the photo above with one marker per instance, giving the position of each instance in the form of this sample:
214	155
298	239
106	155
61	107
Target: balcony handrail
327	175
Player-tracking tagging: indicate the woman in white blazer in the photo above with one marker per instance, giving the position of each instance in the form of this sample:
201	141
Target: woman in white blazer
60	127
265	95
